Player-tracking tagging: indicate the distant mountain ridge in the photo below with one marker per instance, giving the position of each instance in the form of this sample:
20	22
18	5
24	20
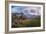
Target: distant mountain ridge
23	15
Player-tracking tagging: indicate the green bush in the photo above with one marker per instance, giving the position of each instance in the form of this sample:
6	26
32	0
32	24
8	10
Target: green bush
34	22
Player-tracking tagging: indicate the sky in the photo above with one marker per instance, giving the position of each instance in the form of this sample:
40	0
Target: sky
27	10
17	9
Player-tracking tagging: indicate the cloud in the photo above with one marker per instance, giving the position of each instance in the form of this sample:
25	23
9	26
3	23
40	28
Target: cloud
17	9
26	10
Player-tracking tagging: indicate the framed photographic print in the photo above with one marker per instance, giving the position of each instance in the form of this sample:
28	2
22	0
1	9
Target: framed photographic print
24	16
